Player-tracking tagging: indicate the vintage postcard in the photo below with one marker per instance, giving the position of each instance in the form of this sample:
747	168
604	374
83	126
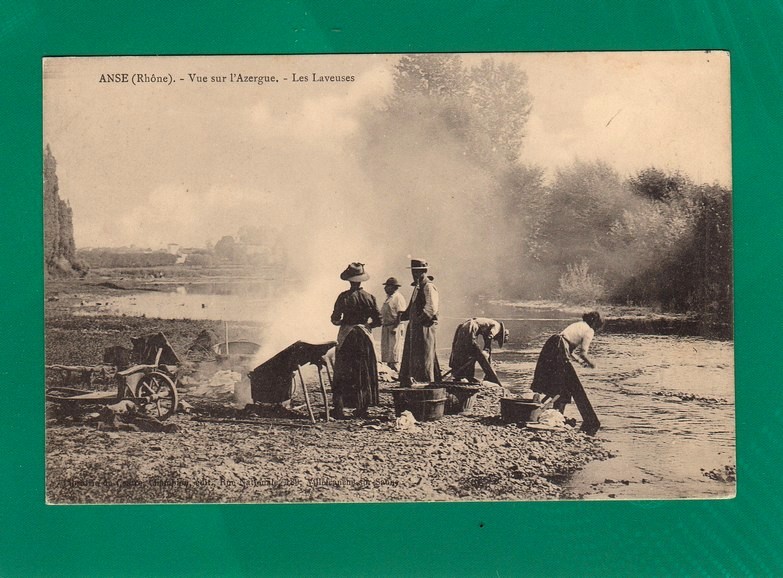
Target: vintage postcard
384	278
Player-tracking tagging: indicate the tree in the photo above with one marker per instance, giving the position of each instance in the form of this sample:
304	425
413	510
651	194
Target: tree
226	248
487	107
502	104
441	147
434	76
657	185
520	198
677	251
586	199
51	210
707	262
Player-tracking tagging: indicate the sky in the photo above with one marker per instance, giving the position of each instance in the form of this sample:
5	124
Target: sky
188	162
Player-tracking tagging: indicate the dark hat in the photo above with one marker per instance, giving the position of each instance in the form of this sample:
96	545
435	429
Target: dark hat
593	319
392	281
502	335
418	264
354	272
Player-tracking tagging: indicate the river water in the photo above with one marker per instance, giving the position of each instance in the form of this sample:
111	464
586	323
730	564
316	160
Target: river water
666	403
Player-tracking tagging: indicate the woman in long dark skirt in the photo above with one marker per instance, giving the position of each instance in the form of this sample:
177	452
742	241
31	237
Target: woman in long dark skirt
355	382
555	374
355	373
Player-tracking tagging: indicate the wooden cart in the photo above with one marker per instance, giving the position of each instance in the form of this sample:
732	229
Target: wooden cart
151	387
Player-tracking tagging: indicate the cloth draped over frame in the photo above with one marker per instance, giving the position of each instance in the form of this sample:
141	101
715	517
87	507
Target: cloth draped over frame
356	369
271	382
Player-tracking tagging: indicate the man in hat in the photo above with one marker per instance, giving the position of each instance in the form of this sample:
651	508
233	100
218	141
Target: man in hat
419	360
393	331
465	351
355	380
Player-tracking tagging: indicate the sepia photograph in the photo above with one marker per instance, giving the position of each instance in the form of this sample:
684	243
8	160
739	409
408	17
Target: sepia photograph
426	277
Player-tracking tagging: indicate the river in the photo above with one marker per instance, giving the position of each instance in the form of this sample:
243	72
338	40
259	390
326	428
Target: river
666	403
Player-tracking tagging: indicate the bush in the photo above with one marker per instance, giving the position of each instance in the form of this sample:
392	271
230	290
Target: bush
579	286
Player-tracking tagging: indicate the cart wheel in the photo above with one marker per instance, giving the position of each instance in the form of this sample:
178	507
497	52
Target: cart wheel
158	385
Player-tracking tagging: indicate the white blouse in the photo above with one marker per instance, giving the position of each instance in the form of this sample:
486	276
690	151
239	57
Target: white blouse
579	335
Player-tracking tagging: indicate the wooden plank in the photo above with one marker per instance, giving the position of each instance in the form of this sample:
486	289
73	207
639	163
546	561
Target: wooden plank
590	422
484	364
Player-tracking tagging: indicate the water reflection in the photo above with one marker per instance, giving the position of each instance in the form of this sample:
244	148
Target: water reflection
663	443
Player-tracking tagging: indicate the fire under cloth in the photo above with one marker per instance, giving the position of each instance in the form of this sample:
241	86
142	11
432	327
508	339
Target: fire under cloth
271	382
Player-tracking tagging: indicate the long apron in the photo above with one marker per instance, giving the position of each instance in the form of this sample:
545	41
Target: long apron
555	375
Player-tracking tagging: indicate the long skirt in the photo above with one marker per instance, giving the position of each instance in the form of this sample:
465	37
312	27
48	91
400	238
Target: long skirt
554	373
356	370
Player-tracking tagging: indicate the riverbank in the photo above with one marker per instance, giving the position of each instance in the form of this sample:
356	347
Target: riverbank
656	395
240	458
219	454
635	319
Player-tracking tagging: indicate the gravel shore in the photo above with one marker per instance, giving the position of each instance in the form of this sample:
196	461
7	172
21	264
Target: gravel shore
471	456
218	453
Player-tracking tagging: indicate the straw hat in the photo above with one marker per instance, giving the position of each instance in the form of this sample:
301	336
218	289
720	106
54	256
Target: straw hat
355	273
502	335
418	264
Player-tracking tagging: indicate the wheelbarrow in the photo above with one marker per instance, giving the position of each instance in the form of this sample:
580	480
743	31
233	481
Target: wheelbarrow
151	387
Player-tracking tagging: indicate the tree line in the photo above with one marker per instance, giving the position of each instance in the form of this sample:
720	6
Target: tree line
586	234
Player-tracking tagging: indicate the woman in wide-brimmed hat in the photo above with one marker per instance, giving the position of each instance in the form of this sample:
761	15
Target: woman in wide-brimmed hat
555	374
355	382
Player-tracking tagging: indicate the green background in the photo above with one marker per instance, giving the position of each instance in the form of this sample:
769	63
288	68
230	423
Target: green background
730	537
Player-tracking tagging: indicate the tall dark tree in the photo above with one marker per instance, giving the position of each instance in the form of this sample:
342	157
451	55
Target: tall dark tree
521	198
658	185
434	76
486	107
59	245
707	261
